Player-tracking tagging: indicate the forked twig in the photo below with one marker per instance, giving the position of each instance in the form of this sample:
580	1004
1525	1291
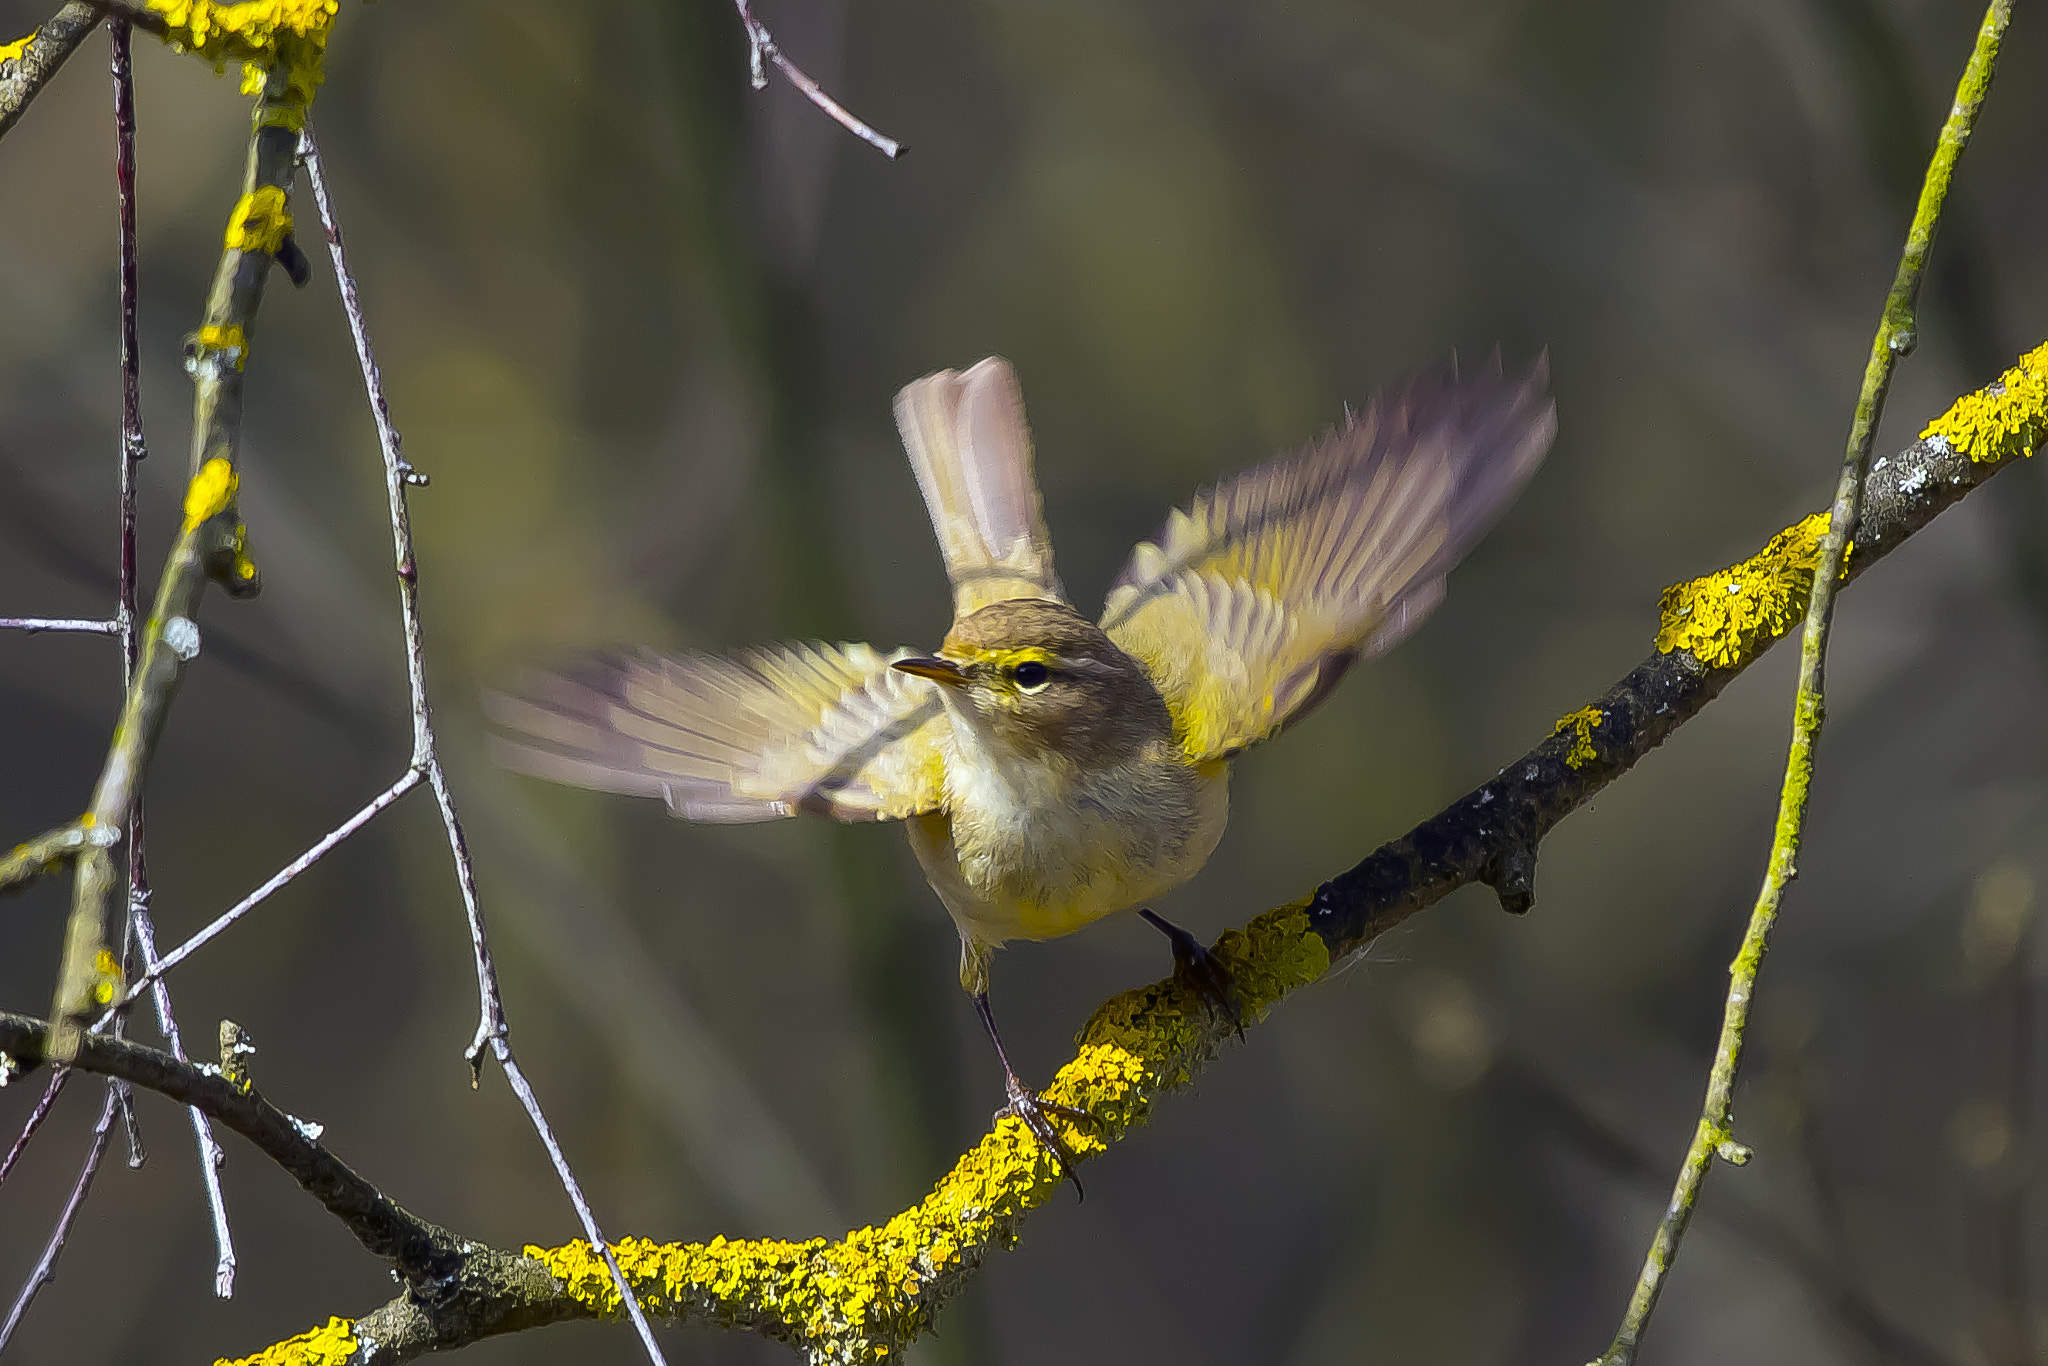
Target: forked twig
1896	335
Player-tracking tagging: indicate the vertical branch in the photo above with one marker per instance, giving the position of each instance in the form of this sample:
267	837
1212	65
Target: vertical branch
209	545
491	1030
1896	336
141	930
122	70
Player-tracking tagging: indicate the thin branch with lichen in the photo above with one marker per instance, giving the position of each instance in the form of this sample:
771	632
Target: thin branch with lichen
1895	337
859	1298
281	44
27	64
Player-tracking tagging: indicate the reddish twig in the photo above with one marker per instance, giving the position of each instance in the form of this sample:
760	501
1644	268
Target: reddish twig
46	1265
44	1104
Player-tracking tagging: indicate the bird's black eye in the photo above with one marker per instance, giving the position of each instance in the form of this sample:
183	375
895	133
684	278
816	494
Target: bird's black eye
1031	675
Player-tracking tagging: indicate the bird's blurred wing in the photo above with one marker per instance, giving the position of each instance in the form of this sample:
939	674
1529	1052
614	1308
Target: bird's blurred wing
829	729
968	444
1249	606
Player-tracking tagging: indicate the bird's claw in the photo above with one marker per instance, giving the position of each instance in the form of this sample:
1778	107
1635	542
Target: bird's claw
1034	1111
1201	970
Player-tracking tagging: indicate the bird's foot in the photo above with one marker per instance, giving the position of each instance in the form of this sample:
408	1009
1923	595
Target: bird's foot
1202	970
1036	1112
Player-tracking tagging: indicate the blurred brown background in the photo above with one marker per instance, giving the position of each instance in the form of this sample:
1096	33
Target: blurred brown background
642	328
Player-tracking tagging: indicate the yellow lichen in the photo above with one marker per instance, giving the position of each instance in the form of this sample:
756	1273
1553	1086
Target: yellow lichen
229	339
260	221
1727	619
332	1344
11	52
210	492
1580	723
281	43
2006	418
862	1298
107	977
243	568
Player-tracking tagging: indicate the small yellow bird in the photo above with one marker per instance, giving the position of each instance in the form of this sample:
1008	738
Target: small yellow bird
1052	770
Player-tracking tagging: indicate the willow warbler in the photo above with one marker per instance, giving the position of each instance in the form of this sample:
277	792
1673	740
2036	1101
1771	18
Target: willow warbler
1051	770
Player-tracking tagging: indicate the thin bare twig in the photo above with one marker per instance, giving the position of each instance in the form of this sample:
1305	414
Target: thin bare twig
409	780
762	49
44	1104
210	1155
76	625
1896	334
491	1030
46	1265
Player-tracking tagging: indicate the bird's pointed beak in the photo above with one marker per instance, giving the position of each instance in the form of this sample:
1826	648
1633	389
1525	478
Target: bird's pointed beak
937	670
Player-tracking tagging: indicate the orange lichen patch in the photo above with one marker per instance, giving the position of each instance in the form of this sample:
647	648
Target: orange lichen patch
260	221
210	492
329	1345
2006	418
1727	619
1580	723
863	1298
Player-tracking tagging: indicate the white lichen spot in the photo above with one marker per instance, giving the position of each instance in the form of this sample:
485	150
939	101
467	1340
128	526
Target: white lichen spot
308	1130
182	635
1938	442
1914	481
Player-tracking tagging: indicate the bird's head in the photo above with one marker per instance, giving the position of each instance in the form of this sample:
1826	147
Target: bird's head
1039	678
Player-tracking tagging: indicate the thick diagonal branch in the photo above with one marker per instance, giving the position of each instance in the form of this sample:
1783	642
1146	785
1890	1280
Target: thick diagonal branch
861	1298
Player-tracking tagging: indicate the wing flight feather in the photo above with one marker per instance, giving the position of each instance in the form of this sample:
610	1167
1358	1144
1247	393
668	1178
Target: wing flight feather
1250	604
830	729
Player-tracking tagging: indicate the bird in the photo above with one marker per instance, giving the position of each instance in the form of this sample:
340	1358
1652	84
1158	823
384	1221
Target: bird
1051	770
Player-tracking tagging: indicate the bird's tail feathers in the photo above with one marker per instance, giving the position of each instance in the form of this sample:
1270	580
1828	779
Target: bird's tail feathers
971	451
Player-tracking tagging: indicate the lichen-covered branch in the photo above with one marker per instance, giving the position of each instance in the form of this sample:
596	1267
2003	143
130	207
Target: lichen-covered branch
282	43
860	1298
27	64
1712	628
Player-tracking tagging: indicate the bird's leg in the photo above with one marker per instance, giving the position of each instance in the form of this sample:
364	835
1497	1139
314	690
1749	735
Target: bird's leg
1200	969
1030	1107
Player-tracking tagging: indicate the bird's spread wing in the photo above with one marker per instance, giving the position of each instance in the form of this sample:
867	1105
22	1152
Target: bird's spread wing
1249	606
971	451
829	729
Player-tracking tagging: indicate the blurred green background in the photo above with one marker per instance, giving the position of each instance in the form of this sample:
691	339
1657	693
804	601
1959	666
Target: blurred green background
642	327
